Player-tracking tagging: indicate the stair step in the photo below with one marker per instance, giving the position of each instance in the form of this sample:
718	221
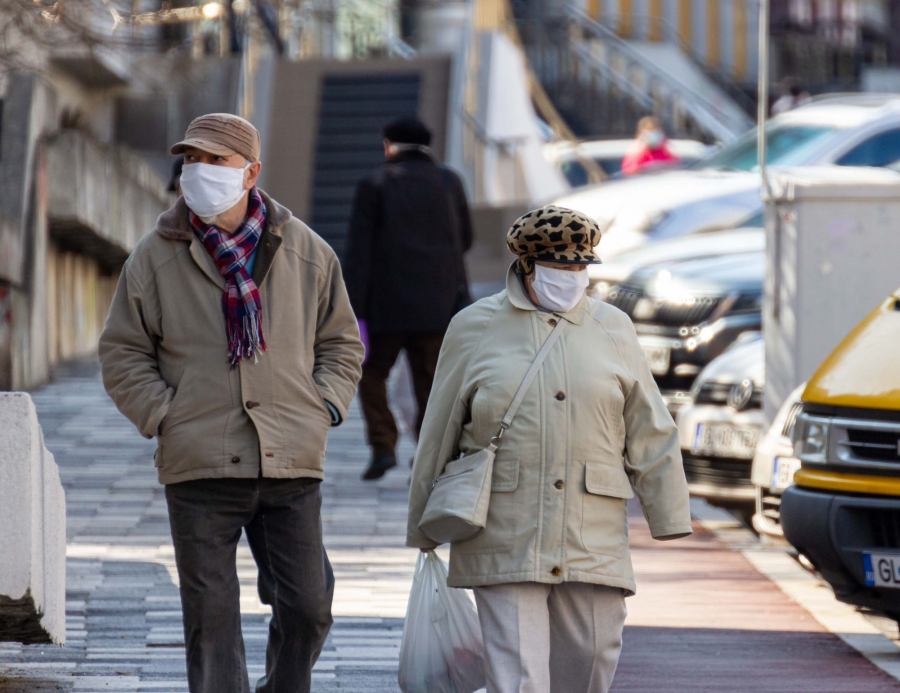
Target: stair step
372	91
366	123
324	195
340	176
332	212
347	159
388	108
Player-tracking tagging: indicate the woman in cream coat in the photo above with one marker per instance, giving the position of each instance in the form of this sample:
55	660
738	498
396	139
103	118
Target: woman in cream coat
551	569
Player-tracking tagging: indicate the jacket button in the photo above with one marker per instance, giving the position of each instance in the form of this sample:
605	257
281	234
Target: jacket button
552	322
235	459
556	572
560	396
251	405
560	484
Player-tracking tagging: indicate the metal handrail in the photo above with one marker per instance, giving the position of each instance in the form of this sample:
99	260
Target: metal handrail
709	115
670	30
400	48
621	81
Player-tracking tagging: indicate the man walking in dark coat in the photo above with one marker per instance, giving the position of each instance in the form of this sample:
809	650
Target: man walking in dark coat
405	273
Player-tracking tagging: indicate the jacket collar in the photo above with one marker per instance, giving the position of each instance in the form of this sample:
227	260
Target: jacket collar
520	300
410	155
174	224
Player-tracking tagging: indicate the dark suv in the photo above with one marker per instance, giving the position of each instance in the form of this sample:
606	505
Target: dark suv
688	311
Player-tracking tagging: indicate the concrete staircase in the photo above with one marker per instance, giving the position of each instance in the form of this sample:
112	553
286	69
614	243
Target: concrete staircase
352	111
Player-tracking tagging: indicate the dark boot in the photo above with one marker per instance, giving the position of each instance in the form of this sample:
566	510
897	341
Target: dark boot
380	464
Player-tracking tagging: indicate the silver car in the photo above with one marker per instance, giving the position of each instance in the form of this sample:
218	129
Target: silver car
722	190
722	425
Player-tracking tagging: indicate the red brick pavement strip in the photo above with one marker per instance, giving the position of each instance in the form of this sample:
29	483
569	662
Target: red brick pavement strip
705	619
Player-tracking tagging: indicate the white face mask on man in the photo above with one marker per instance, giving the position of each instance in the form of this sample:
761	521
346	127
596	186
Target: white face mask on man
210	190
558	290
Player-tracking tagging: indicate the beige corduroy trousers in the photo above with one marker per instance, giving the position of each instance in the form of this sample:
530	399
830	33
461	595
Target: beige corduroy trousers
541	638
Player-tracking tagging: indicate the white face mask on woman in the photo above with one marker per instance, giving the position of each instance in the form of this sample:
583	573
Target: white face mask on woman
653	138
210	190
558	290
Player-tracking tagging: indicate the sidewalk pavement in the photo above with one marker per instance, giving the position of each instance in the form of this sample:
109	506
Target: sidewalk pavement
704	618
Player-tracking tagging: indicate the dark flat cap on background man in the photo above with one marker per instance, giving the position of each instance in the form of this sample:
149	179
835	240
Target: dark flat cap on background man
405	273
232	342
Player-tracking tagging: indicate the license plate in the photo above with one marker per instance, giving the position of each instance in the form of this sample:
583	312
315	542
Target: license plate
882	569
783	473
658	358
725	440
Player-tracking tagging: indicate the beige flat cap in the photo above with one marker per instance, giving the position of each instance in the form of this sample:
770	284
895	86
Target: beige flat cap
222	134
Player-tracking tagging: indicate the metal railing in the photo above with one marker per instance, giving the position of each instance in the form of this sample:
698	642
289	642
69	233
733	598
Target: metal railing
721	123
669	33
604	85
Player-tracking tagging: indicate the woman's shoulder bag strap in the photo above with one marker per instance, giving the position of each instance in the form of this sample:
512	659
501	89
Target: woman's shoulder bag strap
507	420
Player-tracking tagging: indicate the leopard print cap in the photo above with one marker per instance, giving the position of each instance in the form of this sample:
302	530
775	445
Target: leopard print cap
554	234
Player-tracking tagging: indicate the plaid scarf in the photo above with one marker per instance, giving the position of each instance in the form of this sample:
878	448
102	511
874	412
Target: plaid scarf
241	302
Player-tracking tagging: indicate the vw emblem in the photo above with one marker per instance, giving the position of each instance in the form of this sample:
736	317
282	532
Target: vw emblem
740	395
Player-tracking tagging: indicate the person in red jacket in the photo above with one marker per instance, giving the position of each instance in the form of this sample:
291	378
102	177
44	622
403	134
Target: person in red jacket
650	149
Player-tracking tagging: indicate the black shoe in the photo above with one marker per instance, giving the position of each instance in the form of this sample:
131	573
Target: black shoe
380	464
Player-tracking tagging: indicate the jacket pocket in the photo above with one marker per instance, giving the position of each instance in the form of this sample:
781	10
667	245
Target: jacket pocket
316	394
604	520
500	529
171	416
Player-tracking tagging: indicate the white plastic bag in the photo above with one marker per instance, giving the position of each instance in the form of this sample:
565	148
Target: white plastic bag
442	650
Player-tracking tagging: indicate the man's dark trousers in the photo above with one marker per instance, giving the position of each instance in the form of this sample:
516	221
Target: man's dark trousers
422	351
282	519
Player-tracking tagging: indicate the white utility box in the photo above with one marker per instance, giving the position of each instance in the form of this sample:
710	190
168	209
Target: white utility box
833	256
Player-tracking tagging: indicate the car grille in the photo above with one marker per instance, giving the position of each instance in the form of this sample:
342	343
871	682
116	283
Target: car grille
870	528
770	505
625	298
885	529
866	443
717	393
691	311
788	429
873	444
720	471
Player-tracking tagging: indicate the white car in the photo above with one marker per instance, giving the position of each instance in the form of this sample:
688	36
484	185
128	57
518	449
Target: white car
608	155
774	465
721	191
722	425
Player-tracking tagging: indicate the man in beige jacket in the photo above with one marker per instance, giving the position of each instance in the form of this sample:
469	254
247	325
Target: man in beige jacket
231	341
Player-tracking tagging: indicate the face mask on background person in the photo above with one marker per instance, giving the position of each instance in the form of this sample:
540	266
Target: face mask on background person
653	138
210	190
558	290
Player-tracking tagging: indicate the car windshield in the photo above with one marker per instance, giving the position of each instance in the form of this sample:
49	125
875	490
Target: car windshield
786	145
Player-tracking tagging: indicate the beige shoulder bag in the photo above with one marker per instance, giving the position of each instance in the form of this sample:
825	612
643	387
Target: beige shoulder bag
458	505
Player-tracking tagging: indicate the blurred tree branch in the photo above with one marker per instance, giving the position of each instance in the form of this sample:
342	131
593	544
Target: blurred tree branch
31	30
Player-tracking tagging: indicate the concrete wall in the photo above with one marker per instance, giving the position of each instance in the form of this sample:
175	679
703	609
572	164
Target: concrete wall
101	198
33	540
289	155
71	210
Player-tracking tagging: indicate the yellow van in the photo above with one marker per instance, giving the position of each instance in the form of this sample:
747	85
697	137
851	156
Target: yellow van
843	512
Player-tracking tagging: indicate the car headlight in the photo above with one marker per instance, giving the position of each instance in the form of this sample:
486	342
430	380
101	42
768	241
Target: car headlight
601	290
811	438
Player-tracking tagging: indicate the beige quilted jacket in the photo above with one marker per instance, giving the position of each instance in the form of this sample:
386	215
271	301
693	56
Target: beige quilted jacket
592	430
